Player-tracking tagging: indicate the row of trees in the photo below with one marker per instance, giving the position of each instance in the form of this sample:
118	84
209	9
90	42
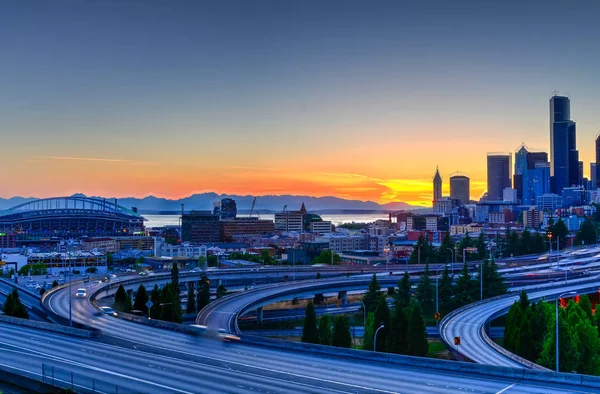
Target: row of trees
325	257
264	257
530	333
328	331
14	307
33	269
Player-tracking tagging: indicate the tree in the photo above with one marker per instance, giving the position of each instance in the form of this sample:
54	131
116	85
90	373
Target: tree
122	301
42	291
425	291
513	321
446	249
568	351
481	246
213	261
403	293
416	337
396	341
221	291
319	299
369	332
202	263
191	298
493	282
141	298
110	260
155	298
524	245
170	308
586	308
523	301
423	252
445	292
266	257
341	332
538	244
175	278
464	288
325	332
54	284
525	346
310	332
372	295
203	294
382	317
14	307
558	231
586	234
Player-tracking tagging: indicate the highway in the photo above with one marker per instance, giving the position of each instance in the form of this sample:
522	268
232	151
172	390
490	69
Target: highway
468	323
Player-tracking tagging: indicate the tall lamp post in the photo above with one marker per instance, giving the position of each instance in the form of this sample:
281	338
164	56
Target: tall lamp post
437	274
67	257
364	315
375	339
451	259
387	258
568	294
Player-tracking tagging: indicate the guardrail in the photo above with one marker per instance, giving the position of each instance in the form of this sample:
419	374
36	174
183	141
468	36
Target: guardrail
20	288
50	327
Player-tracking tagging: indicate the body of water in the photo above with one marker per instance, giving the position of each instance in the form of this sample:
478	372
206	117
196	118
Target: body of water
336	219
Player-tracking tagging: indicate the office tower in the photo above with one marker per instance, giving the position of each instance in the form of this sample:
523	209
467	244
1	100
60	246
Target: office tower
534	157
520	167
460	188
498	174
536	182
564	157
593	176
228	208
200	227
580	173
597	179
437	185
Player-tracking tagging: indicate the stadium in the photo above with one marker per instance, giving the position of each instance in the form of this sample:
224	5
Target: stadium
69	217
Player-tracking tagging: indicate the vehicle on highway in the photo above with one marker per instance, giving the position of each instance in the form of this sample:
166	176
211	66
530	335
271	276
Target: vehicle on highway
81	293
228	337
197	269
143	273
112	276
107	310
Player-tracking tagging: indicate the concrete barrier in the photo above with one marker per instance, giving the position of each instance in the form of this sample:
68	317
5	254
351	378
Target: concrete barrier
51	327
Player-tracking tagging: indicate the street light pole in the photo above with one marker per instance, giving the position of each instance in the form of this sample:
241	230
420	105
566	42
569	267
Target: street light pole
375	339
570	293
451	259
70	294
364	316
437	274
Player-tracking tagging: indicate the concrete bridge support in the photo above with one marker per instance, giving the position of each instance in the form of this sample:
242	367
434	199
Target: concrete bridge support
259	315
344	297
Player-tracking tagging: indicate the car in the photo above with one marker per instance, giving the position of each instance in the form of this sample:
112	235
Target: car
143	273
228	337
84	273
81	293
197	269
107	310
112	276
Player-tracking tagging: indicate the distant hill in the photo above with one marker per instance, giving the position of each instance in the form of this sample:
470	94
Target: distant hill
268	203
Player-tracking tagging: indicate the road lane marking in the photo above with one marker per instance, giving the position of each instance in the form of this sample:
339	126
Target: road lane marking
505	389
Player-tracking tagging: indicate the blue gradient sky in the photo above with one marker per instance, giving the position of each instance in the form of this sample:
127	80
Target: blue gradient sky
354	99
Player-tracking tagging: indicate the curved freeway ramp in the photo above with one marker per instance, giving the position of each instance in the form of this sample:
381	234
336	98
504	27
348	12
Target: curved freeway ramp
469	324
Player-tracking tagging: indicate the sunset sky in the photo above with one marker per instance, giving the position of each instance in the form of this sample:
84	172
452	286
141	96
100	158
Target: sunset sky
353	99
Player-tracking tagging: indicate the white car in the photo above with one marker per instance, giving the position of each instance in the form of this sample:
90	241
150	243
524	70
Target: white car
107	310
81	293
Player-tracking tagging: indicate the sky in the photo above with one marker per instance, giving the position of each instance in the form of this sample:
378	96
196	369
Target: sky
355	99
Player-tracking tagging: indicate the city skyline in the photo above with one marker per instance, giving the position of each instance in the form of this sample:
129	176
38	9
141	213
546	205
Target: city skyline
172	101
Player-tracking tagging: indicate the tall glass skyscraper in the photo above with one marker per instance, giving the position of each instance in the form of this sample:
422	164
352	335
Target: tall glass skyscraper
564	157
499	166
520	167
536	182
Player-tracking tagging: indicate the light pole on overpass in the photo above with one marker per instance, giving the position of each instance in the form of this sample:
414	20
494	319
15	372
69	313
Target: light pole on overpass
452	259
68	242
364	316
568	294
437	274
375	339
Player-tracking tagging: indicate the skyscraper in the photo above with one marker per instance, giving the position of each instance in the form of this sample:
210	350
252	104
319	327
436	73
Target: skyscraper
536	182
564	157
228	209
520	167
534	157
597	179
460	188
437	185
498	174
593	176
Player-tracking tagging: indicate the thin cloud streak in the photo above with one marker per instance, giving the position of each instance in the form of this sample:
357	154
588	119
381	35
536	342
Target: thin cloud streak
95	159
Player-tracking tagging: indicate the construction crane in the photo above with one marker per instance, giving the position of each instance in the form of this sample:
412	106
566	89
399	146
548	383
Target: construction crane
284	208
252	209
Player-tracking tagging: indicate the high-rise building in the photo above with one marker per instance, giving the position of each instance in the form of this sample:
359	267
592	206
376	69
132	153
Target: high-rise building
597	161
593	176
498	174
460	188
437	185
534	157
200	227
564	157
520	167
536	182
228	209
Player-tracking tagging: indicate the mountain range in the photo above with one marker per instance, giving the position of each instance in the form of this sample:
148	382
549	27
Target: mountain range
267	203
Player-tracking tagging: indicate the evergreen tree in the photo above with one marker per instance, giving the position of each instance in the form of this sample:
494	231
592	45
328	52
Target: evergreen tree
175	278
541	316
446	249
372	295
18	309
568	351
493	282
325	332
382	316
525	346
203	293
426	291
221	291
524	246
466	242
425	250
202	263
396	341
191	298
141	298
54	284
464	288
559	232
122	301
155	298
481	246
416	337
42	291
445	292
586	234
513	321
170	310
403	293
9	304
586	308
369	332
523	301
341	332
538	243
310	332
